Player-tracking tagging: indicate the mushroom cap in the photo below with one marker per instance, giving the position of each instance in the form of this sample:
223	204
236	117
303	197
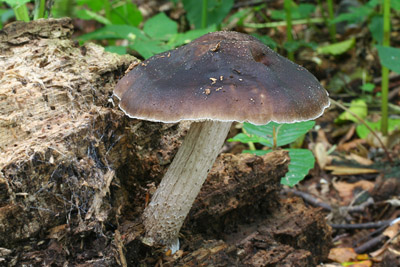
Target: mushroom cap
225	76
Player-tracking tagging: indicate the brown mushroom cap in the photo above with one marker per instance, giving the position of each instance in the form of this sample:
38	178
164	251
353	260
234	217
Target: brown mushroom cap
225	76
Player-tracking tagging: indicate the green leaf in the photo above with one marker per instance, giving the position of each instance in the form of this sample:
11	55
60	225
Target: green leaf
160	27
337	48
301	11
148	48
120	50
277	14
305	11
126	14
114	32
376	28
238	17
15	3
6	14
301	162
186	37
88	14
217	11
244	138
368	87
395	4
286	133
268	41
257	152
95	6
389	57
362	130
292	46
358	107
355	15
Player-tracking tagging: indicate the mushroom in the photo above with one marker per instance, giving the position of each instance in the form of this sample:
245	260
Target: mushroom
216	79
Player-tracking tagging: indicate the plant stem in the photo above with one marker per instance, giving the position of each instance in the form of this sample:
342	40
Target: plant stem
332	26
21	12
251	145
385	71
107	9
204	14
282	23
40	6
289	36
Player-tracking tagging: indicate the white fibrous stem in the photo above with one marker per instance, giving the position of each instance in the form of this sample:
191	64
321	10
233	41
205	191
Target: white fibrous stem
169	206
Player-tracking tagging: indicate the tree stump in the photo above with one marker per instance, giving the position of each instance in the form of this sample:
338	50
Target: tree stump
75	173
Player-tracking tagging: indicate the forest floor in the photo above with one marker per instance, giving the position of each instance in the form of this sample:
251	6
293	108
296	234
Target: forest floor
74	182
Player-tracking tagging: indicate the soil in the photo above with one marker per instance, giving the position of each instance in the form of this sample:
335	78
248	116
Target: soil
76	173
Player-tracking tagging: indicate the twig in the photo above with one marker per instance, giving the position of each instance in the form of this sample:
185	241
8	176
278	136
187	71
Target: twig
371	244
120	246
362	206
369	225
310	199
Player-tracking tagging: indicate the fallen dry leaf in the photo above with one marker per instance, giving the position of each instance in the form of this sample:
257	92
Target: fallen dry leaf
346	190
321	155
351	145
342	254
359	159
343	170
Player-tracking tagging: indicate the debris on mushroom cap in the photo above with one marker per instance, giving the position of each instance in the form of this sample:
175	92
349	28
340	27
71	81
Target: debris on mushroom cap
258	84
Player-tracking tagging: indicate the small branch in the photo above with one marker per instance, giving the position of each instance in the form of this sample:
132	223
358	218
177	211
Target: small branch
371	244
369	225
309	199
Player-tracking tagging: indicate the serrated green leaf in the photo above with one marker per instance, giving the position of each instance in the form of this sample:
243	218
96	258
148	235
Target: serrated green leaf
301	162
257	152
337	48
358	107
389	57
244	138
286	132
160	27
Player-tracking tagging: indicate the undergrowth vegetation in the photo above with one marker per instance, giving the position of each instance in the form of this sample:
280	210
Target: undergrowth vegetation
310	33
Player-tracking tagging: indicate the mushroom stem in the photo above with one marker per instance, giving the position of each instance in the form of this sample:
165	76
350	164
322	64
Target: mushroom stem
169	206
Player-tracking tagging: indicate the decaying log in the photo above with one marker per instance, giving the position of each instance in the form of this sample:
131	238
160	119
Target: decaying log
62	140
75	174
